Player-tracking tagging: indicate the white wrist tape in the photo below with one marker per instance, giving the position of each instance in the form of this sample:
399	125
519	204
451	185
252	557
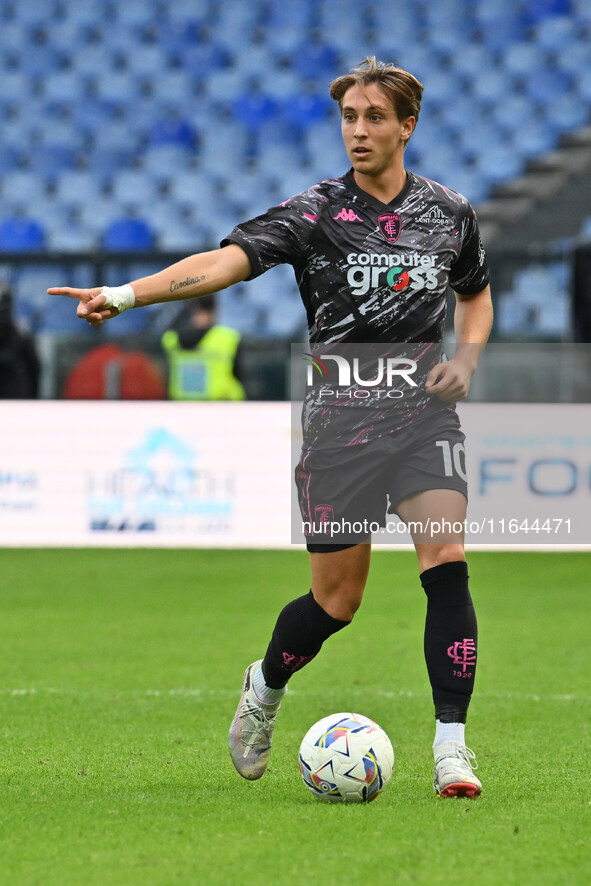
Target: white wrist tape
120	297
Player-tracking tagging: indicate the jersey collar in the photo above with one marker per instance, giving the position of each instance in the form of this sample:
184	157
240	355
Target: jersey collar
350	182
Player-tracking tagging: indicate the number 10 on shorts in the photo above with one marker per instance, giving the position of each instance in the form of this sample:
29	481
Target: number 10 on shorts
454	457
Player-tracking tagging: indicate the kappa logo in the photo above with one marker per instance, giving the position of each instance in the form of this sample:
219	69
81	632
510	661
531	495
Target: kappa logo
435	216
346	215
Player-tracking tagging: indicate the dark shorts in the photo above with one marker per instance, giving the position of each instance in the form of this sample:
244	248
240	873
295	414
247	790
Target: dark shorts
346	493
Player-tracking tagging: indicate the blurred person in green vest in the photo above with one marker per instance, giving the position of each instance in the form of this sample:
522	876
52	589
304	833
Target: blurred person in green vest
203	356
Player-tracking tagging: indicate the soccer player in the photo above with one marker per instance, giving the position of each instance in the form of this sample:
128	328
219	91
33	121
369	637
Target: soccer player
340	236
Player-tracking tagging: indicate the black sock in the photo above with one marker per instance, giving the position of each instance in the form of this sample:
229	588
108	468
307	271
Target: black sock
451	639
300	631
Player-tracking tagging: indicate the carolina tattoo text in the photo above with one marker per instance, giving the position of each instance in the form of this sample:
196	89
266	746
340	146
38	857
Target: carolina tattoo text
188	281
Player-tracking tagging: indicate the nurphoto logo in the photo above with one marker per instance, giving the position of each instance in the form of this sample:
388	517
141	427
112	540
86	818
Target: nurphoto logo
352	372
348	374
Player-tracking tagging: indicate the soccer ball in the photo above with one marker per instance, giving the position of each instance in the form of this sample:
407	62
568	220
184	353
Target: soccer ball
346	758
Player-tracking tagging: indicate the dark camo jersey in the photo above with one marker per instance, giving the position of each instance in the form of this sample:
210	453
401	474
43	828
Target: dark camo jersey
371	272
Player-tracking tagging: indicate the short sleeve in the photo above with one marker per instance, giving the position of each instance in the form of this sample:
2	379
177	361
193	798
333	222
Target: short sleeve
278	236
469	273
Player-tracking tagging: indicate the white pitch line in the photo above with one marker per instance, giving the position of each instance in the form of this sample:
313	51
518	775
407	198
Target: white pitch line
205	693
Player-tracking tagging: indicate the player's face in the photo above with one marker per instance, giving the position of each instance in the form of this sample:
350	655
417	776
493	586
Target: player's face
374	137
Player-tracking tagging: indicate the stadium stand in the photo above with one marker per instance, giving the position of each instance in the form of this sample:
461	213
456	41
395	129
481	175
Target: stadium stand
152	125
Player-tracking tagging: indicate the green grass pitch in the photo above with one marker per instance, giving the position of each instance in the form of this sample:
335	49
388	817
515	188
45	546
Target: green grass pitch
121	671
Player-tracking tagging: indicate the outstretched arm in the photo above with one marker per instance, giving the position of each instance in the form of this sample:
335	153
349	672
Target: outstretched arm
472	321
199	274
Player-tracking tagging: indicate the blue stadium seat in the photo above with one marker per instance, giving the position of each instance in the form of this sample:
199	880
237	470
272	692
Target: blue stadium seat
306	108
40	59
577	58
175	35
127	235
254	107
164	162
537	10
547	84
235	309
315	58
88	15
565	114
14	35
61	39
50	160
116	137
223	148
201	60
10	158
173	130
472	57
175	232
556	33
16	86
583	86
290	14
220	90
285	41
167	93
98	214
117	87
30	14
248	194
294	182
499	164
417	58
343	21
532	141
482	133
522	59
76	187
440	164
488	89
514	111
21	235
193	189
135	191
106	160
468	182
95	60
72	237
498	26
135	13
151	62
538	304
325	137
252	64
91	114
438	90
581	12
62	86
23	188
